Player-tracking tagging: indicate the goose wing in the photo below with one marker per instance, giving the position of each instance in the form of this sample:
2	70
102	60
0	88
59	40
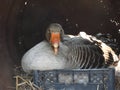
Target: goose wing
109	54
83	54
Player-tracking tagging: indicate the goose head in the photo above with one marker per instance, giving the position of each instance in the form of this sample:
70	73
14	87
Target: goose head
54	35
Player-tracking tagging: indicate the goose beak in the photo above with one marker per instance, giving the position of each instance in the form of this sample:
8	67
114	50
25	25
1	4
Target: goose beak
55	47
55	40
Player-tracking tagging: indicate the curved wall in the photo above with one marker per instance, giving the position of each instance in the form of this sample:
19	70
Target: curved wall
23	24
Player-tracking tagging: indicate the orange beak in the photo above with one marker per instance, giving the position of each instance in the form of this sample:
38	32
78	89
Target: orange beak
55	40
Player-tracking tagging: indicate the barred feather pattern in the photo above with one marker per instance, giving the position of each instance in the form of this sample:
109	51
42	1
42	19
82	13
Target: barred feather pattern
109	55
85	56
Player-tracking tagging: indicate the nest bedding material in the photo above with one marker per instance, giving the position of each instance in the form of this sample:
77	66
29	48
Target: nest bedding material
24	81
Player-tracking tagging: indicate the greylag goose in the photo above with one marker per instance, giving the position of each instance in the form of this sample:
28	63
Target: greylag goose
60	51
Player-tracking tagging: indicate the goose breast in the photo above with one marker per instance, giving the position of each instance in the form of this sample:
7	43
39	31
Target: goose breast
41	57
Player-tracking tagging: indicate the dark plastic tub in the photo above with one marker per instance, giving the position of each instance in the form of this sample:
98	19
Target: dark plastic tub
85	79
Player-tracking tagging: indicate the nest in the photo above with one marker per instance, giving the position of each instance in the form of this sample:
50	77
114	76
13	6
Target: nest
24	81
117	83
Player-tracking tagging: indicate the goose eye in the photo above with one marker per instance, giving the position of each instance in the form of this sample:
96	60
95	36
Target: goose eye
61	31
